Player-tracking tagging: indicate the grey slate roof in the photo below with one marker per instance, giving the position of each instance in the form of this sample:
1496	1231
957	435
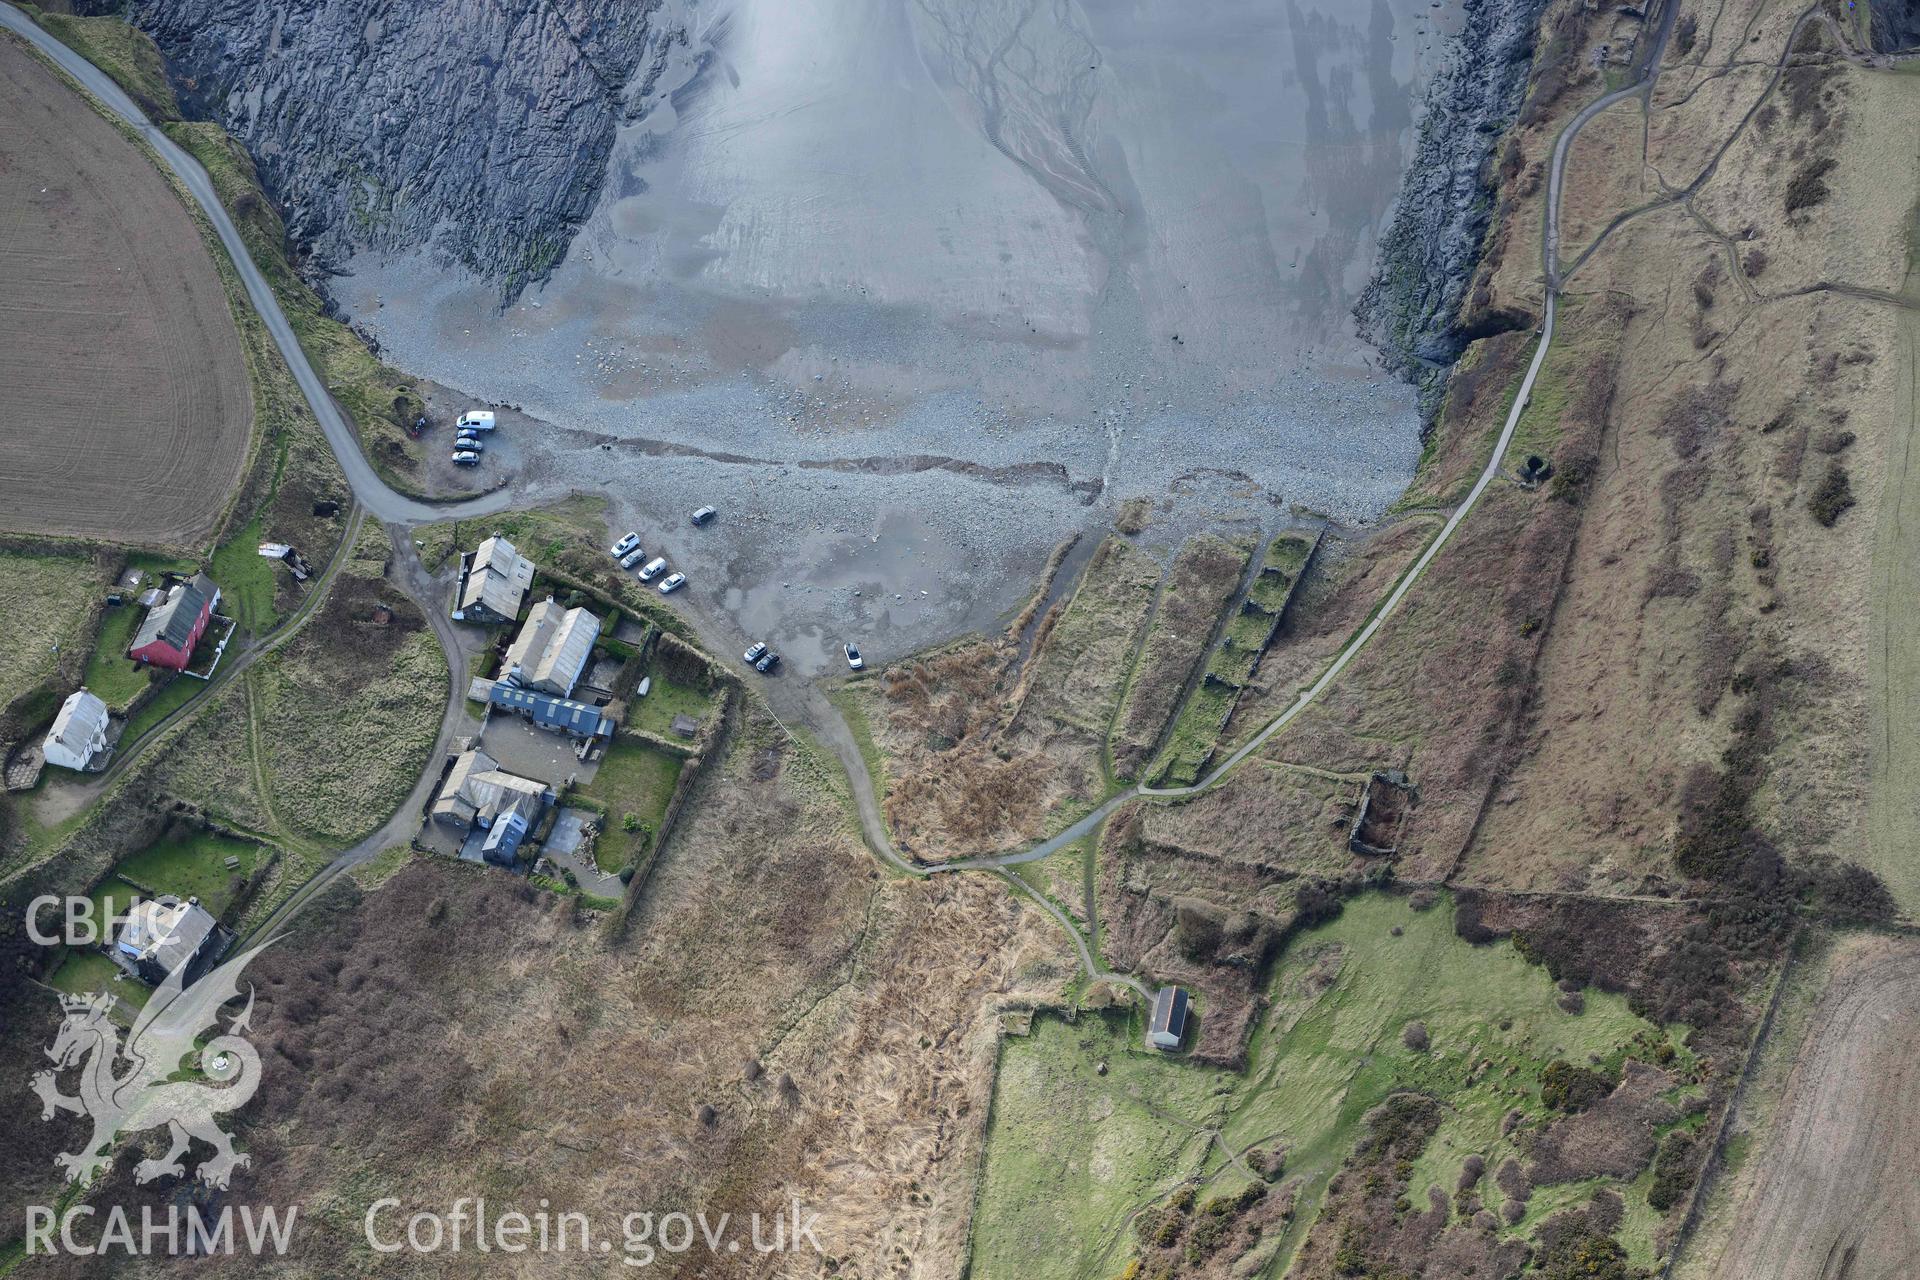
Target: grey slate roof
172	619
166	931
1169	1013
552	648
497	577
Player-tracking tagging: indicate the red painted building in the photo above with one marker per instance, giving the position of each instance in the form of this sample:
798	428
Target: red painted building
174	624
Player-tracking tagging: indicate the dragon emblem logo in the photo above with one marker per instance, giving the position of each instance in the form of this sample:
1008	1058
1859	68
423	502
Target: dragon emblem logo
131	1086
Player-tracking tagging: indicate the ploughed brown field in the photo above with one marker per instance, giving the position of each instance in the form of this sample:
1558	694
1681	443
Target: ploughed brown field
125	409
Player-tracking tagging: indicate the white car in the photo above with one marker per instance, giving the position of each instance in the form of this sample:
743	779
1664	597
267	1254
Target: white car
755	652
854	660
625	545
476	420
651	569
672	583
466	458
632	558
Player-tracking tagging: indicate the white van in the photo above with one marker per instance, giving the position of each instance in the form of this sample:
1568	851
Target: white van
652	568
476	420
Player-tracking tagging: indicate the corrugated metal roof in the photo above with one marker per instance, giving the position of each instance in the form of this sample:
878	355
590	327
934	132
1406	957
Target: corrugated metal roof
561	713
552	648
497	578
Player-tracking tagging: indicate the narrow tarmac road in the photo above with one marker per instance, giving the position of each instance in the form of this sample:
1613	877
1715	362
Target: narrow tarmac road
371	491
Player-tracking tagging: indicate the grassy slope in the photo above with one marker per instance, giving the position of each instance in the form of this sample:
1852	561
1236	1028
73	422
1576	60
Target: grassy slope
376	396
1204	577
341	754
1072	1153
1893	648
120	50
44	599
110	674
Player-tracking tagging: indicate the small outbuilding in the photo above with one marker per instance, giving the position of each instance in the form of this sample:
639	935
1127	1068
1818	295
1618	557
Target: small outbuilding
294	561
79	733
1169	1024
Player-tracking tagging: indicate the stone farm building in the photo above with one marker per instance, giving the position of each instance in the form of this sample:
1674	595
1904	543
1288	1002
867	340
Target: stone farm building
493	582
570	717
79	732
1169	1024
478	793
175	624
552	649
162	935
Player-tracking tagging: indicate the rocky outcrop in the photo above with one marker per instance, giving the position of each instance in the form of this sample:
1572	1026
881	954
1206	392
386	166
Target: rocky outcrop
1895	25
479	127
1411	307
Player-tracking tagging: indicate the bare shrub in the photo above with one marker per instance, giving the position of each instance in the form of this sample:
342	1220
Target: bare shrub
1833	496
1809	187
1134	516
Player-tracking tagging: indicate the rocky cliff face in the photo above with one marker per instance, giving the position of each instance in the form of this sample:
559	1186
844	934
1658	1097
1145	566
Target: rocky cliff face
1895	25
480	127
1410	308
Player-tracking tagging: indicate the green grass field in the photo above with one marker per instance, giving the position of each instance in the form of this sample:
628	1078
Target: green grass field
115	678
164	704
1193	737
666	699
1073	1154
634	781
247	579
45	599
85	970
192	867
